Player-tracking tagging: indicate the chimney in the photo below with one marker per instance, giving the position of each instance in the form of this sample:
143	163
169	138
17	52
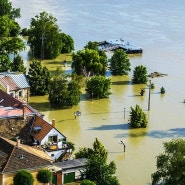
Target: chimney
24	111
7	89
18	142
53	122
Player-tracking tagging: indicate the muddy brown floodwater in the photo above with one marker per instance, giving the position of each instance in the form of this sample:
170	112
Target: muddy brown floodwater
158	27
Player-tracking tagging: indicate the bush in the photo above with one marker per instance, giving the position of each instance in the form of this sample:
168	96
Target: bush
23	177
44	176
87	182
162	90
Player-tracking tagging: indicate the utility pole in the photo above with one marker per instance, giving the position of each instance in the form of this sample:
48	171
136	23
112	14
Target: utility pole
149	95
42	46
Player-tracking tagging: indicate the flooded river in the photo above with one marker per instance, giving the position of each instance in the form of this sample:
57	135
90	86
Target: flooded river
159	28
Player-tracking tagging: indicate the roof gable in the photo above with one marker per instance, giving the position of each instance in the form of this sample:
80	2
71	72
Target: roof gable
45	128
19	79
14	158
7	81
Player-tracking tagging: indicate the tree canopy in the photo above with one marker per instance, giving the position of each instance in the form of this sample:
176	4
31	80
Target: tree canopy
64	91
119	63
10	43
23	177
98	87
140	75
46	39
67	43
97	169
171	164
89	62
137	118
18	64
7	9
39	78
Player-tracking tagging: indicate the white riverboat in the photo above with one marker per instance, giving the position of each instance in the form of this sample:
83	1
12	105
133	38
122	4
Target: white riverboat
111	45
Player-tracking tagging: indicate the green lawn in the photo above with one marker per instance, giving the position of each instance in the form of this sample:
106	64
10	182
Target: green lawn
58	62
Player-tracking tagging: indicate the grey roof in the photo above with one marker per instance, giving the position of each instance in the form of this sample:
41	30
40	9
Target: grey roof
20	79
69	164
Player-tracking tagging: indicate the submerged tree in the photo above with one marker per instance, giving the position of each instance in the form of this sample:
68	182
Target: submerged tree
98	87
89	62
171	164
137	118
64	91
119	63
140	75
45	38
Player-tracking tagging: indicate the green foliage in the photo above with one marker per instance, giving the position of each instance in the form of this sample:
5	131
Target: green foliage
5	63
39	78
87	182
70	145
89	62
137	118
7	9
23	177
170	164
98	87
162	90
45	38
97	169
18	64
140	75
9	42
84	153
152	86
92	45
67	43
24	32
44	176
64	92
119	63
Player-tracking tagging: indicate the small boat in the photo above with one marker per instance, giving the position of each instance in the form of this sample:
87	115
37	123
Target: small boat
111	45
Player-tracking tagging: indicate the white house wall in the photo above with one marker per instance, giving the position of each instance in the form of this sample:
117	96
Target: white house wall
53	132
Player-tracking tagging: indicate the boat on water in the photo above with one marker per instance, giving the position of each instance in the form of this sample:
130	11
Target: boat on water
111	45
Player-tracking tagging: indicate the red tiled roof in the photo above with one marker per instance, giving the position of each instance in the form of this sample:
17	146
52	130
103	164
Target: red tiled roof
45	128
14	158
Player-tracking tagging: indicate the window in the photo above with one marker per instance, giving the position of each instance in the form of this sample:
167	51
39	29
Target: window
12	94
53	138
20	93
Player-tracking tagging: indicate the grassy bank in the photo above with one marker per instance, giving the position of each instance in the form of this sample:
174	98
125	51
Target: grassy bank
58	62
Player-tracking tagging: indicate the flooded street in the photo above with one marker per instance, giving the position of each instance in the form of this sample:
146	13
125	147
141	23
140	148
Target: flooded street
159	28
